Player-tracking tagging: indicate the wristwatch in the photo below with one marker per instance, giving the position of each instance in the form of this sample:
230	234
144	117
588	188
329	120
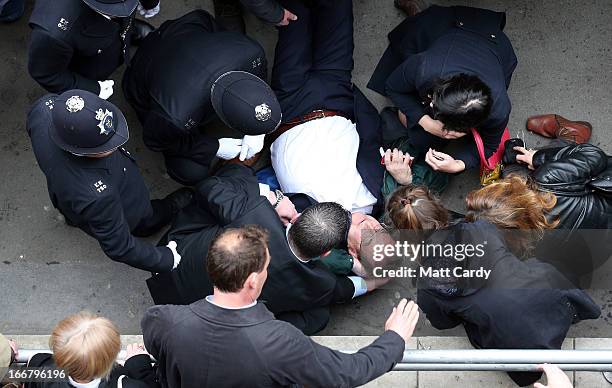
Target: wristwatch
279	197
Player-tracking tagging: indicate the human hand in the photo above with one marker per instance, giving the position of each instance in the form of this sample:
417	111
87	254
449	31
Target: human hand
403	319
106	88
135	350
229	148
358	268
402	118
398	164
250	146
440	161
288	16
555	377
525	156
177	257
148	13
285	208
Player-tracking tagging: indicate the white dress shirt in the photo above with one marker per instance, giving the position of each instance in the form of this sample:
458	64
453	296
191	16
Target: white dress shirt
319	158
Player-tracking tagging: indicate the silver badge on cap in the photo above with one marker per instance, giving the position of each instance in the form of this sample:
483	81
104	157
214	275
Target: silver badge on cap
75	104
263	112
106	121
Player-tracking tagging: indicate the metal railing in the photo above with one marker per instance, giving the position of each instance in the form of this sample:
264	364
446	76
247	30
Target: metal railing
507	360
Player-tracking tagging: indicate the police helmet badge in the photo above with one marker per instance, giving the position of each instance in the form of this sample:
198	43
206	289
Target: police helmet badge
105	119
75	104
263	112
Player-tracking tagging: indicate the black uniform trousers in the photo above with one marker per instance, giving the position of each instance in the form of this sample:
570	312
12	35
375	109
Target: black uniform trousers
314	58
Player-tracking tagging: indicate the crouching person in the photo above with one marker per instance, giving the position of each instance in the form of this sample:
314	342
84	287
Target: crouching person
229	339
86	346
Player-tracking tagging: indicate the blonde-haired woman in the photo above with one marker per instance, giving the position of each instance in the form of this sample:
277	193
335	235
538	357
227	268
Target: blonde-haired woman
86	347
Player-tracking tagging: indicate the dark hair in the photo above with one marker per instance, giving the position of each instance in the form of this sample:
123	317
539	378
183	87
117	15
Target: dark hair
235	254
461	102
416	208
320	228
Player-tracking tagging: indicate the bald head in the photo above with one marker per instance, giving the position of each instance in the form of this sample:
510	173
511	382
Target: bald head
234	255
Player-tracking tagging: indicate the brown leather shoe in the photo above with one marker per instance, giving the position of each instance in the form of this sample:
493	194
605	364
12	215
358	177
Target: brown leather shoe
411	7
555	126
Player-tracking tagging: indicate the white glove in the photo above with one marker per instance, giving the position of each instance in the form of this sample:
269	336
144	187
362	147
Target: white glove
148	13
250	146
229	148
106	88
177	258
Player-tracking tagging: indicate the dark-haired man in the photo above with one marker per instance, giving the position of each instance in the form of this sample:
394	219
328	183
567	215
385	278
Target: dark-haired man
176	96
78	44
448	69
230	339
300	287
77	138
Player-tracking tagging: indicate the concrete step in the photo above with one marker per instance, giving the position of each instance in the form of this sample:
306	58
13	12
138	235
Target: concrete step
415	379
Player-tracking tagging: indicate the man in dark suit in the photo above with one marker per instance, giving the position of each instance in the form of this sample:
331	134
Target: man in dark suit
312	80
300	288
78	139
231	340
78	44
447	70
211	72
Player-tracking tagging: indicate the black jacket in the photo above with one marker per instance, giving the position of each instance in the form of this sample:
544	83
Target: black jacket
228	200
570	173
74	47
171	93
268	10
203	345
442	42
523	304
136	373
106	197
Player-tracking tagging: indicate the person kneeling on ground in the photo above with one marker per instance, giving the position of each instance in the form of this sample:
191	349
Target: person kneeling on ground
86	347
230	339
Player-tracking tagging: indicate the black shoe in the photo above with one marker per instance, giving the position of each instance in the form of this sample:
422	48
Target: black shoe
228	13
140	30
179	199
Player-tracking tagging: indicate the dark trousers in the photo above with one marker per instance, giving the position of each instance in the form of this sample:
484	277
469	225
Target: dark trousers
161	216
314	58
12	11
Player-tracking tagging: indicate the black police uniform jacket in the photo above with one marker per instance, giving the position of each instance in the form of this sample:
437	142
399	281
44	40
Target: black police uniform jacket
137	372
74	47
442	42
169	81
106	197
522	305
231	199
203	345
268	10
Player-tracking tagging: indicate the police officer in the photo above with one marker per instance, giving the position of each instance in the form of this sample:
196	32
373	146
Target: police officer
77	44
182	76
95	183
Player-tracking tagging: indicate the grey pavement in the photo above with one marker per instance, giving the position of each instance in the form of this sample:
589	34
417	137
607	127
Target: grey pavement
49	270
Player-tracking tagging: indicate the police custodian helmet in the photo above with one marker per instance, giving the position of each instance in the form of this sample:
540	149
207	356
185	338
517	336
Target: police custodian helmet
85	124
246	103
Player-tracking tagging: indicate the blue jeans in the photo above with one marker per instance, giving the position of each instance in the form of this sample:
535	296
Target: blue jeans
12	11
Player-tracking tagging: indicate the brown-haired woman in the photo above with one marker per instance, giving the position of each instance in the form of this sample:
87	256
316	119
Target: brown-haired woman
515	206
520	304
86	346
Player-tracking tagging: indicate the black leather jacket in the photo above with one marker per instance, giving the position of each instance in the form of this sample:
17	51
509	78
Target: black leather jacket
580	176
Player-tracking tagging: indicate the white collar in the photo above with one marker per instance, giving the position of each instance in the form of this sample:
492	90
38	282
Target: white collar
92	384
210	298
289	225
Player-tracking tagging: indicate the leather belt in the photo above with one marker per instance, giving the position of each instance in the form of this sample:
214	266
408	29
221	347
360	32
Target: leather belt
314	115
